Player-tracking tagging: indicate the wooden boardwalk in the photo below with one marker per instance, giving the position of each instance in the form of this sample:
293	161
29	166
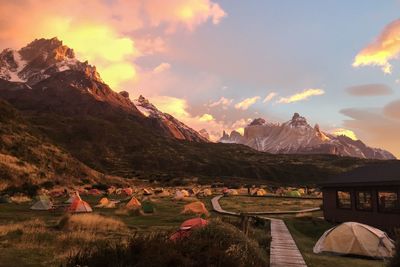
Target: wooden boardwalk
283	252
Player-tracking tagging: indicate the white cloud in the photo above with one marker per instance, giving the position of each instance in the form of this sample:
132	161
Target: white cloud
304	95
162	67
269	97
248	102
224	102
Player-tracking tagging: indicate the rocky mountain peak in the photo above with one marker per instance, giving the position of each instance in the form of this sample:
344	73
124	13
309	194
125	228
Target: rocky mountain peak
258	121
204	133
298	121
41	59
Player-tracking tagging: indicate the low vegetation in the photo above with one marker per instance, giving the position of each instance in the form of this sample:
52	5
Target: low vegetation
218	244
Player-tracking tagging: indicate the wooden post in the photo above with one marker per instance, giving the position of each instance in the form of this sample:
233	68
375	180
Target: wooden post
244	221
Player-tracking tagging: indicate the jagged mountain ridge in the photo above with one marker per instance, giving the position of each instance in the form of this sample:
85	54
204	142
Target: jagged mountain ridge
169	124
46	76
296	136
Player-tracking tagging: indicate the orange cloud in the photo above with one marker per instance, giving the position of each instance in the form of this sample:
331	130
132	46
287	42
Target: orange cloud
248	102
345	132
190	13
380	52
97	29
304	95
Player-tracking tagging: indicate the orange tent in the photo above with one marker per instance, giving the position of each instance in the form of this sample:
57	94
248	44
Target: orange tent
128	191
196	208
78	205
133	203
186	227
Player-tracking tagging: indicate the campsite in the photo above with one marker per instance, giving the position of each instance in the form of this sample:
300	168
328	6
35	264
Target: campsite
34	233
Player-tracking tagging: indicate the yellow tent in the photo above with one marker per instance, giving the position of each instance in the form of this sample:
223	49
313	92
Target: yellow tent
207	192
233	192
133	203
185	193
261	192
356	239
103	202
196	208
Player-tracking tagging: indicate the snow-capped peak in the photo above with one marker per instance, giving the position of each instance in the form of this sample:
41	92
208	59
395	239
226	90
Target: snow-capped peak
39	60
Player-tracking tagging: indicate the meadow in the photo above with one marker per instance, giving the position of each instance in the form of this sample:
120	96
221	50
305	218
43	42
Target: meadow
52	238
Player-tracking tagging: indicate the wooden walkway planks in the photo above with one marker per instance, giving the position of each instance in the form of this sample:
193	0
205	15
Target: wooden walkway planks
283	251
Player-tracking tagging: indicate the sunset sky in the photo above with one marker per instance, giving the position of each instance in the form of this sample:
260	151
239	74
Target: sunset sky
217	64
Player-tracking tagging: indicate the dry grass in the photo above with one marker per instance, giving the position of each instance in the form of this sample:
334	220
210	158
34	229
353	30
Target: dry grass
93	223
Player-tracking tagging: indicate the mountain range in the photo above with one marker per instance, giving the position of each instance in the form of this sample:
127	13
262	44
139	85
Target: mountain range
60	122
296	136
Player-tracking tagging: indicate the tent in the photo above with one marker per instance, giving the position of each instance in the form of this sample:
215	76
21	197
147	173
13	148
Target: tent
106	203
146	192
233	192
42	204
147	207
261	192
186	227
207	192
5	199
356	239
73	197
94	192
179	195
185	193
79	206
111	190
302	191
196	208
127	191
133	203
293	193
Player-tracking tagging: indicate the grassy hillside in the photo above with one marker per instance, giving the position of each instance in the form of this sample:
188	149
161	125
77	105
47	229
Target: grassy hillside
26	156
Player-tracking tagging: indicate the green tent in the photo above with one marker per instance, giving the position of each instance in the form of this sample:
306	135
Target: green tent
147	207
4	199
293	193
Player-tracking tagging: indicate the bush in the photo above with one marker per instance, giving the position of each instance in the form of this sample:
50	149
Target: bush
218	244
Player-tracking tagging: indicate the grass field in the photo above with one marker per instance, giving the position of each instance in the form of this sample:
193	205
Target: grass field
255	204
40	238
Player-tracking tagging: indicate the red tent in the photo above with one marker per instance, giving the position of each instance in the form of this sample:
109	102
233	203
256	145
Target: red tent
186	228
78	205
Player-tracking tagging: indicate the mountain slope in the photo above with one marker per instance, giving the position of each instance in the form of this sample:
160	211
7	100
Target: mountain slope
167	123
296	136
28	157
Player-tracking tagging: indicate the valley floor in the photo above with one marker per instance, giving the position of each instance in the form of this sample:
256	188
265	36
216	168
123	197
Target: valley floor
41	238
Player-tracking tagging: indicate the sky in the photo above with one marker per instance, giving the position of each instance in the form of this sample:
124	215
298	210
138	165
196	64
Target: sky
218	64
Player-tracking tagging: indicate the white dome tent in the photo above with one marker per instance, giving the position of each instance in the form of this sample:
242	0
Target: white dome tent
353	238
